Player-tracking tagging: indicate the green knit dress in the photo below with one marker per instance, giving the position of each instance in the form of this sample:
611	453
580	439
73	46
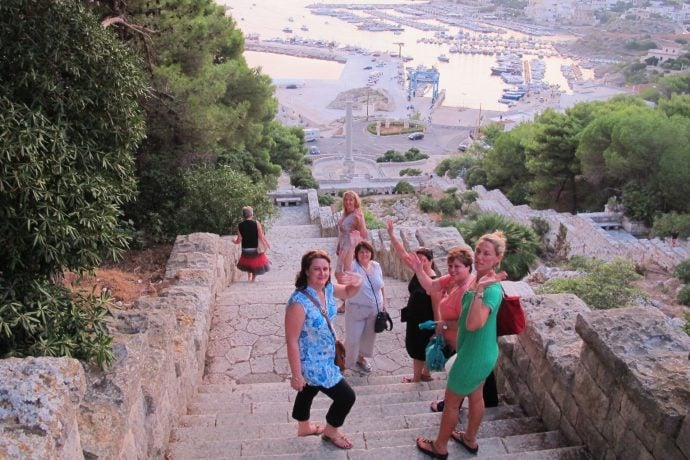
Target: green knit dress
477	350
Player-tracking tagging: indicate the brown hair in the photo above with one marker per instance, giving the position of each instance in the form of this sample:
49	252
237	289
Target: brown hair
307	259
462	253
364	245
428	253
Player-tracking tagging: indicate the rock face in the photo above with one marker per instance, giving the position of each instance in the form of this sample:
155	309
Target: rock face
39	401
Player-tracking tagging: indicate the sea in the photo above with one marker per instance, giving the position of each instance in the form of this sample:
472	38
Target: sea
466	78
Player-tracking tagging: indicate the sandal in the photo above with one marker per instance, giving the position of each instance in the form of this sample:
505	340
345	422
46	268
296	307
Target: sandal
459	436
426	378
431	450
316	429
437	406
341	441
423	378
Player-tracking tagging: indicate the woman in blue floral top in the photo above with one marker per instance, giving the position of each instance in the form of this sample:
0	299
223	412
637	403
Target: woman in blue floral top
311	346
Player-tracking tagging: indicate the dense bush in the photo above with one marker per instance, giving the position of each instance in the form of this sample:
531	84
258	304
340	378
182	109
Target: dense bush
371	221
403	187
410	172
684	298
326	200
214	198
428	204
70	121
666	224
608	285
682	271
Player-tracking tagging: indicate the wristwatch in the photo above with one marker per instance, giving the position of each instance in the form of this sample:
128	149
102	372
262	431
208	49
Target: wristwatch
479	294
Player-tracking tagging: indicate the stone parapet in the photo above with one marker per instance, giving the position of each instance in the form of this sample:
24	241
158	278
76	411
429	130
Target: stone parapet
616	380
127	410
585	237
39	401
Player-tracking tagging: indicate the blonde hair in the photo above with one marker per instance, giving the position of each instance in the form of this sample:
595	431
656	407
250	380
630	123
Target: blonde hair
358	200
497	239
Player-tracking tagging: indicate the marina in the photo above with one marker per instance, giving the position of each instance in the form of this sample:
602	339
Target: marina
465	54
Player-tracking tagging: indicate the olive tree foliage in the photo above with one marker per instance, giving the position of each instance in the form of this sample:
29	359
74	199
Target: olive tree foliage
69	123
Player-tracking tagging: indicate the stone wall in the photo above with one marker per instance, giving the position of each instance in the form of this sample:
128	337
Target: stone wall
58	408
616	380
584	236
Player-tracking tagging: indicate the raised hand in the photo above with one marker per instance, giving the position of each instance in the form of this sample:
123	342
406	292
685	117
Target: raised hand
412	260
490	278
351	278
389	226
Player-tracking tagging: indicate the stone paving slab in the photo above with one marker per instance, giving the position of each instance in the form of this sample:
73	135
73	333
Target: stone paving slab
243	408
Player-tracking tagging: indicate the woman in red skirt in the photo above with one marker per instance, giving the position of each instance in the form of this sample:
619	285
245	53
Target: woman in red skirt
249	233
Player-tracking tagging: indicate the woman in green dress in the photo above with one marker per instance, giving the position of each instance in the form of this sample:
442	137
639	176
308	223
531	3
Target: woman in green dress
477	350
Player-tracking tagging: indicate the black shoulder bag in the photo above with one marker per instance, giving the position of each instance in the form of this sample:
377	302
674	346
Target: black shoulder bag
383	319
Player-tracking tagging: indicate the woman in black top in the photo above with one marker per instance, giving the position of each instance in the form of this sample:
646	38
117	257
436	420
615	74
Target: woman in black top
249	233
420	307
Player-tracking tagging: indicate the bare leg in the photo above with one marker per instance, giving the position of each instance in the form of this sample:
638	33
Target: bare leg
449	420
475	417
307	428
336	437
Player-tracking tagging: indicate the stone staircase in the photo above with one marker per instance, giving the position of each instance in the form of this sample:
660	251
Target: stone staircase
242	408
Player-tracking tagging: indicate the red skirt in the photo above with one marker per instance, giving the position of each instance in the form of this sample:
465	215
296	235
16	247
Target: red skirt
253	262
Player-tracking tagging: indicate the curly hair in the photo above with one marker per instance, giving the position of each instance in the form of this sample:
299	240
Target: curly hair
307	259
462	253
358	200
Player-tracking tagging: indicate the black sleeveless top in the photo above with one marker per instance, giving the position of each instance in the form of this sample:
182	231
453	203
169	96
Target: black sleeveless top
250	233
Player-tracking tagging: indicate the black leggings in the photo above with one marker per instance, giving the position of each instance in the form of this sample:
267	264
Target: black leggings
343	399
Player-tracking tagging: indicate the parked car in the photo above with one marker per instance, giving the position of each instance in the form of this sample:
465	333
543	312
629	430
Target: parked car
314	150
415	136
464	146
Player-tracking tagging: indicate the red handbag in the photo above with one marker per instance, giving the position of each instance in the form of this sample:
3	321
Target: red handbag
511	318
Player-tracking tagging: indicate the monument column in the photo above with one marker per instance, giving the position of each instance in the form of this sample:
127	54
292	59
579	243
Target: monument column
348	162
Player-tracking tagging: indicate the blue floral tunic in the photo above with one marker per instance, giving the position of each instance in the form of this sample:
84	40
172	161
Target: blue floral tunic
316	343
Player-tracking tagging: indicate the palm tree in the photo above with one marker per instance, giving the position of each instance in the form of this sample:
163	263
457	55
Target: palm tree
522	242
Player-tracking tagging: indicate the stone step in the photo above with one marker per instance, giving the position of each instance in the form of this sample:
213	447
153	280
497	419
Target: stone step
368	384
287	232
375	444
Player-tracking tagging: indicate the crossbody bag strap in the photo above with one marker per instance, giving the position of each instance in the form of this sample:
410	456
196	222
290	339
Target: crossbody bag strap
317	304
371	286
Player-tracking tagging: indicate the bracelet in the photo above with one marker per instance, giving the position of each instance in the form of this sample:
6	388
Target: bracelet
479	295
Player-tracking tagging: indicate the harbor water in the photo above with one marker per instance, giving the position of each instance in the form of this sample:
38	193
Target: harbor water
466	78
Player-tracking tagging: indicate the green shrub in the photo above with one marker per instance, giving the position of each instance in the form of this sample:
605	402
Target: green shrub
684	299
410	172
428	204
40	318
391	156
666	224
682	271
371	221
214	198
403	187
326	200
686	328
608	285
